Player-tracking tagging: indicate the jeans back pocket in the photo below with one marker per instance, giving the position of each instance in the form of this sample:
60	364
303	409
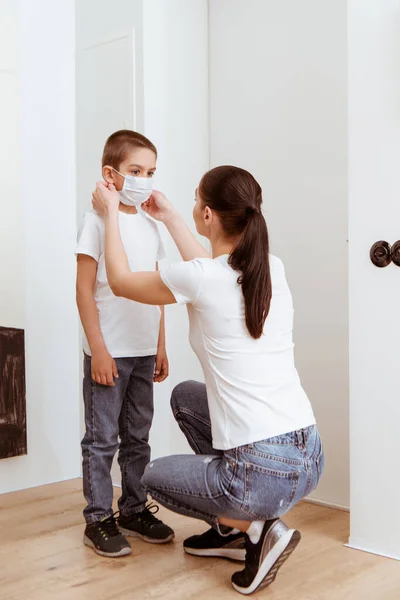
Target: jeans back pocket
269	493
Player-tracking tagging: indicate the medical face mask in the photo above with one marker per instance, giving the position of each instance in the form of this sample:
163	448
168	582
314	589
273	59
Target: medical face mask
136	190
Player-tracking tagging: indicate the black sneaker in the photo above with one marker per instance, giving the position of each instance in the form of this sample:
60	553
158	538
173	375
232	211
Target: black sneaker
264	559
106	539
211	543
146	526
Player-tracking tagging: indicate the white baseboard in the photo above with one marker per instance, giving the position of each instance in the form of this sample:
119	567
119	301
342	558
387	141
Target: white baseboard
362	546
326	504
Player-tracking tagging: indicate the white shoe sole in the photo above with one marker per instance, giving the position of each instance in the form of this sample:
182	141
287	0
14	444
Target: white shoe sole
272	562
144	538
230	553
124	552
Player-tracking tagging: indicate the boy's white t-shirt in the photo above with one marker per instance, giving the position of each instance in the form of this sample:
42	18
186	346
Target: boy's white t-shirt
129	329
253	389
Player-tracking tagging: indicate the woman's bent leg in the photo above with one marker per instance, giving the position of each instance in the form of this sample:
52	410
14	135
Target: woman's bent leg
190	485
190	408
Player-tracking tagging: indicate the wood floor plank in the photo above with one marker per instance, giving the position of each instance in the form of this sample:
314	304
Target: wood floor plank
42	558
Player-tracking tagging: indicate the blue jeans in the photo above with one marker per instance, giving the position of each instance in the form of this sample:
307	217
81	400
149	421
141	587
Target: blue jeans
124	411
259	481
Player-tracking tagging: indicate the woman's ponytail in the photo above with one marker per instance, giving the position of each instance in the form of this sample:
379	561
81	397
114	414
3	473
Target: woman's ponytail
236	196
251	257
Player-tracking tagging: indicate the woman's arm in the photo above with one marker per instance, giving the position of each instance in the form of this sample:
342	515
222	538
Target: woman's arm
161	209
147	288
144	287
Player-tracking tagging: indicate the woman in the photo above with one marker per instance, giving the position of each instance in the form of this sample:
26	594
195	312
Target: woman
258	451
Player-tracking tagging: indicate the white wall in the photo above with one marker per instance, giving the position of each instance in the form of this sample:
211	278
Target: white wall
278	108
374	142
47	171
175	52
12	305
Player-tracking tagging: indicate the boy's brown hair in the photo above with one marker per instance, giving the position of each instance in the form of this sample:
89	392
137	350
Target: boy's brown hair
120	143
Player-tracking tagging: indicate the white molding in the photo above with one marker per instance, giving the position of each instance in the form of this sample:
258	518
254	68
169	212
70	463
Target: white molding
111	38
326	504
106	39
362	546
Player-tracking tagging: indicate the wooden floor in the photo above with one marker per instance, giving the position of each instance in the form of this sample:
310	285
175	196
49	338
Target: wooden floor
42	558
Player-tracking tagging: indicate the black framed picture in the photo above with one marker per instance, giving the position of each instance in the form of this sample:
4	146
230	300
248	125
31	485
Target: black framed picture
13	440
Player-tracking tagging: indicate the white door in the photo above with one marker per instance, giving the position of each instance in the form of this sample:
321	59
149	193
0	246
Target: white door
105	103
374	211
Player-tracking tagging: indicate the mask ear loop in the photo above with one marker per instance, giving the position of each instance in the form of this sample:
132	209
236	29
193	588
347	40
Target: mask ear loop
124	176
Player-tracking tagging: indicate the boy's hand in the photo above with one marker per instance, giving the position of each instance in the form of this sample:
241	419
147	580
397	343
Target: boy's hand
162	366
104	368
105	198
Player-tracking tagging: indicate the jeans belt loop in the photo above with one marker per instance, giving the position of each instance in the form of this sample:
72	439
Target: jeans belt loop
300	438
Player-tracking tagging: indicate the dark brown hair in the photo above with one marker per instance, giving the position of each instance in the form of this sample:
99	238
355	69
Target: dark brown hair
120	143
236	197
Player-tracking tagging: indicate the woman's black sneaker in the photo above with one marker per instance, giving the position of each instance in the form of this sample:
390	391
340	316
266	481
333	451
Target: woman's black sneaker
146	526
211	543
106	539
264	559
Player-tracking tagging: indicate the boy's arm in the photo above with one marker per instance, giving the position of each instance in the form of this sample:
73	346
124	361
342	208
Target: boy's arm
104	368
162	366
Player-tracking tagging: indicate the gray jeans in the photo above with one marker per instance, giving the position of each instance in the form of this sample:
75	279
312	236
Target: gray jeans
258	481
124	411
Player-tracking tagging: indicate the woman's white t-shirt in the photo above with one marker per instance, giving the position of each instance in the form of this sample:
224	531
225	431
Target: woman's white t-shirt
253	388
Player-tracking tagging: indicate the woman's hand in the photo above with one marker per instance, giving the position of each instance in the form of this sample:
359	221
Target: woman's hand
105	198
159	207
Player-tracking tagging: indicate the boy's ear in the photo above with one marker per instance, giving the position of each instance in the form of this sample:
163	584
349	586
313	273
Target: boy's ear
108	174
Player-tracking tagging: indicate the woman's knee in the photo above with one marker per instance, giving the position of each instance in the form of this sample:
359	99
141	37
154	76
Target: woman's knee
179	395
184	395
155	473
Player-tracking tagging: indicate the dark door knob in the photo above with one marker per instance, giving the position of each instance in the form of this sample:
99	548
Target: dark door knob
396	254
380	254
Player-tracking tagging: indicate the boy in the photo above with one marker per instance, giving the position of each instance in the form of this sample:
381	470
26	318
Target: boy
124	345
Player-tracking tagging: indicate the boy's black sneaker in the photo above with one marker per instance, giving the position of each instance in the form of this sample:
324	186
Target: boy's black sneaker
264	559
211	543
146	526
106	539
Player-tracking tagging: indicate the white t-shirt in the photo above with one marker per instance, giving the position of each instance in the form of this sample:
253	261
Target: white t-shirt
129	329
253	389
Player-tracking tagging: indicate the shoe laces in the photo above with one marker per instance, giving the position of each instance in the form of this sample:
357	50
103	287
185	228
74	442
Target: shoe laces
108	527
147	515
